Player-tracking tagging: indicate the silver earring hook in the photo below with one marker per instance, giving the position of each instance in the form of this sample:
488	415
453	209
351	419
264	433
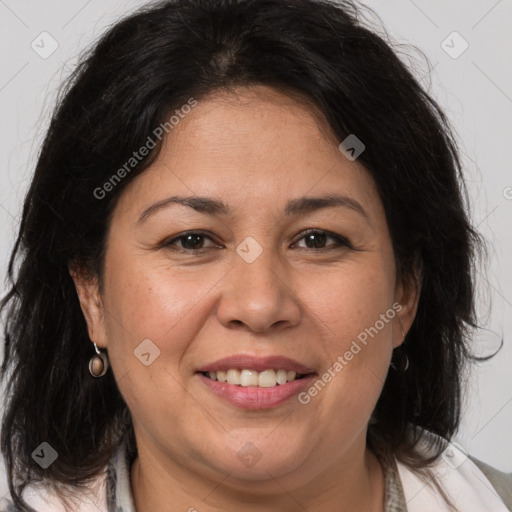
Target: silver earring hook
401	328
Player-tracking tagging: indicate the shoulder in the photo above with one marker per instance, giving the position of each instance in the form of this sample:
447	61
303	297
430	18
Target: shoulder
470	484
8	506
36	498
110	490
42	499
502	482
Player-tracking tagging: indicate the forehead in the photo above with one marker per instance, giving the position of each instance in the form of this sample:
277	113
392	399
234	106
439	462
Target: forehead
245	121
253	147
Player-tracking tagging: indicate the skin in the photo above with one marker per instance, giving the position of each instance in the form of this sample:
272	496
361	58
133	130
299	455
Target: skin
254	149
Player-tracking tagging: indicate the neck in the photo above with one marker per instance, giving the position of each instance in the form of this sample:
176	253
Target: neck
358	486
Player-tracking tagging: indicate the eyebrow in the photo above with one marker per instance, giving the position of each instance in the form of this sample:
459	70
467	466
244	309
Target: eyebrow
294	207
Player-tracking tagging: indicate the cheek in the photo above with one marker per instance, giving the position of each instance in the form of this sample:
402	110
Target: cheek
355	313
354	310
153	302
350	301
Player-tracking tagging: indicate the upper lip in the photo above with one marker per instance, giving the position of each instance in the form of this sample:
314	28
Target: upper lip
256	363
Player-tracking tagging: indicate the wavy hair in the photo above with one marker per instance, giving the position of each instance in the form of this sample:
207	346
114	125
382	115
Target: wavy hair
142	69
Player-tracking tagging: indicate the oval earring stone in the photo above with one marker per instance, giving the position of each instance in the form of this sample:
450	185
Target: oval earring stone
97	366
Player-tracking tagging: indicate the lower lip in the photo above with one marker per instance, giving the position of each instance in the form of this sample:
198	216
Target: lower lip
253	397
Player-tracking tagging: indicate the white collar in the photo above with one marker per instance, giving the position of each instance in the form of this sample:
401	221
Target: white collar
461	479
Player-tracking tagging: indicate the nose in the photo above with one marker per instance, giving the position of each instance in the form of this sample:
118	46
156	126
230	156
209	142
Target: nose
258	295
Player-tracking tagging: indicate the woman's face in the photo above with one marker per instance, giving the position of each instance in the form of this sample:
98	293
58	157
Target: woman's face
251	284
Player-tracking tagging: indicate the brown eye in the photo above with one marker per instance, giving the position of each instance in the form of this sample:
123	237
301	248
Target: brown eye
316	239
191	241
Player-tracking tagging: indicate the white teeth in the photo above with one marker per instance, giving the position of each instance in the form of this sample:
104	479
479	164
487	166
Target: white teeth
233	377
248	378
282	376
265	379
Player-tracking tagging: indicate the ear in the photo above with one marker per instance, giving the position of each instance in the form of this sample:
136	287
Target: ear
87	288
407	295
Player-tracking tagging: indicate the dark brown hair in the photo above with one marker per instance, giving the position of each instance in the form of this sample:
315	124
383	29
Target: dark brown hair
146	66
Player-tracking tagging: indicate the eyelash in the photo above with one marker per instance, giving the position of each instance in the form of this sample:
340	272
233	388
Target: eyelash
340	241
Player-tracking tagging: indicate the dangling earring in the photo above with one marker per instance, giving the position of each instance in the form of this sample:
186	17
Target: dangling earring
401	356
98	364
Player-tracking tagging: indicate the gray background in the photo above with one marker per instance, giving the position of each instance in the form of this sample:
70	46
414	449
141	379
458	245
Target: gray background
475	89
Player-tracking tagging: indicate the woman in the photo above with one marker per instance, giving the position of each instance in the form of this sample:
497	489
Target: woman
245	276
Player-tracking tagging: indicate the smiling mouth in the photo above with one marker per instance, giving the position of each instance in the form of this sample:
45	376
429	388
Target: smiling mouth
252	378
